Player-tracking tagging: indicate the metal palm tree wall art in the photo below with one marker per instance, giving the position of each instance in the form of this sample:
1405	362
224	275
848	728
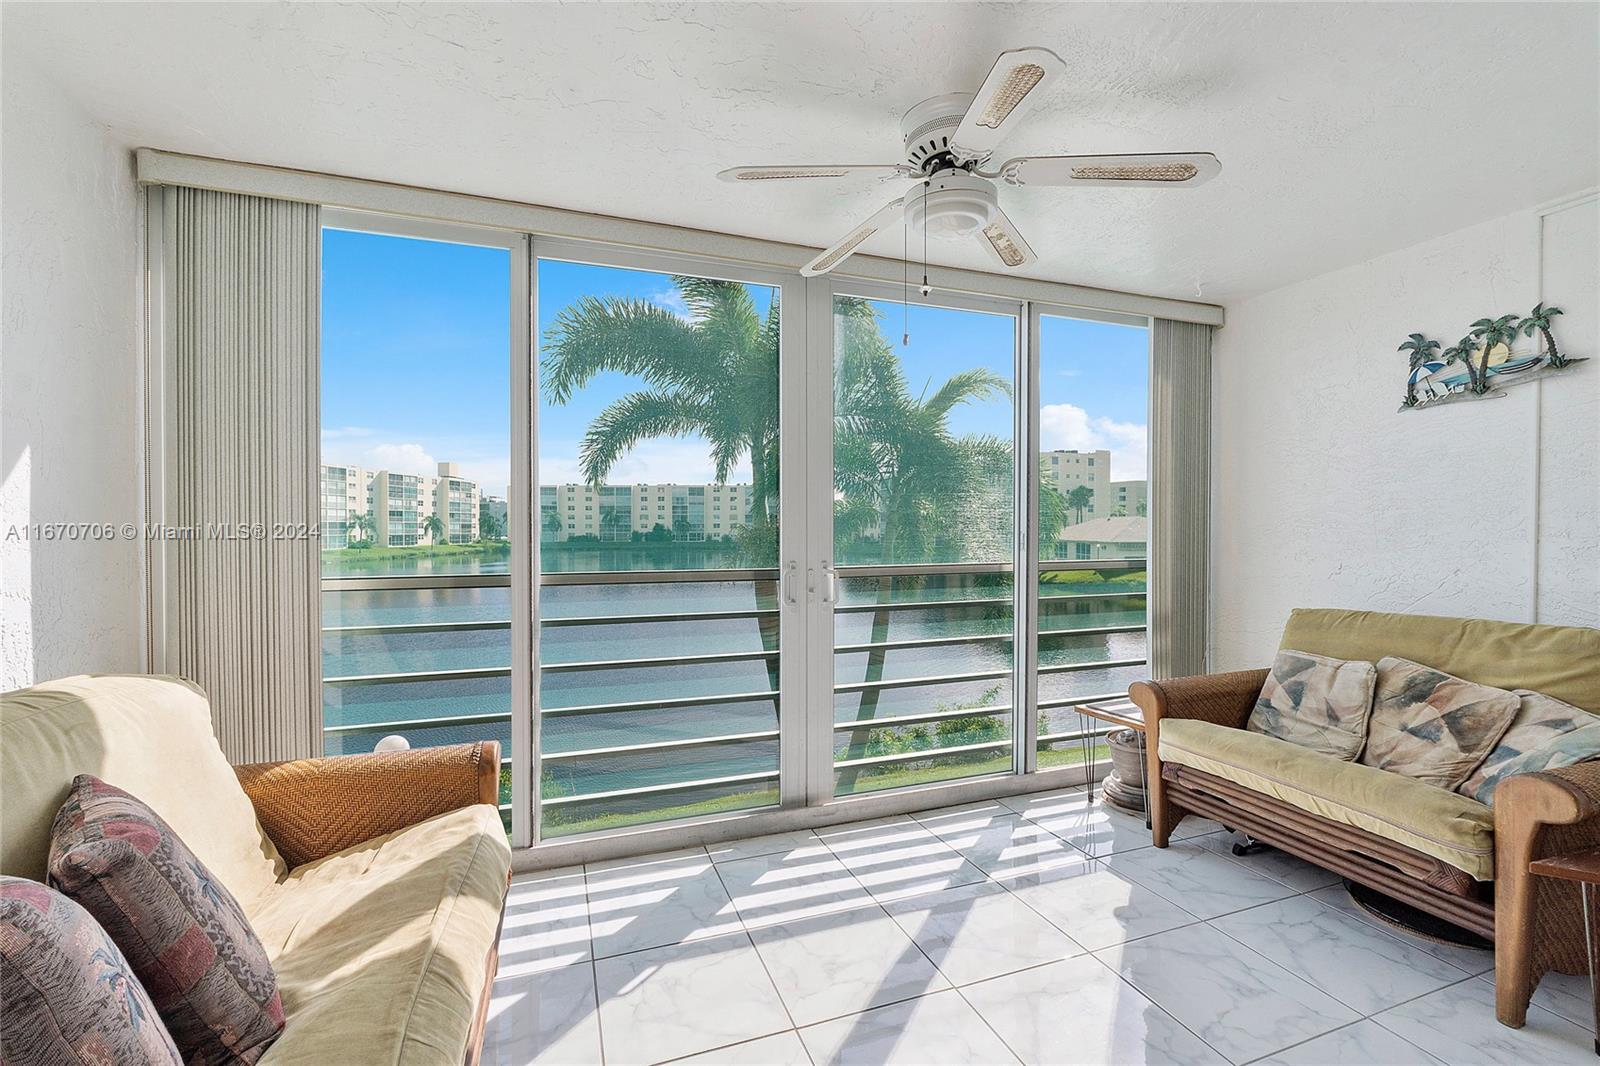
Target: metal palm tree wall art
1484	362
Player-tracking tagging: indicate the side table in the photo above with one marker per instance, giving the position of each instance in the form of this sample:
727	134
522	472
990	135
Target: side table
1122	713
1584	868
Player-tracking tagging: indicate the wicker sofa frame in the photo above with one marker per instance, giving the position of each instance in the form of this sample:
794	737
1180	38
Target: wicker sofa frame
312	808
1535	922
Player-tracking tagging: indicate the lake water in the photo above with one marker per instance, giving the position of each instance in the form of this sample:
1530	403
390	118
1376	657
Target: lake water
593	700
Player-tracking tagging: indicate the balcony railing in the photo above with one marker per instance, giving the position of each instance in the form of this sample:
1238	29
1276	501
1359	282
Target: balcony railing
659	689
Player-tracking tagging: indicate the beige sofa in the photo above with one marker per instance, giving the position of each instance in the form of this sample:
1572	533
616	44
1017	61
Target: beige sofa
376	882
1439	851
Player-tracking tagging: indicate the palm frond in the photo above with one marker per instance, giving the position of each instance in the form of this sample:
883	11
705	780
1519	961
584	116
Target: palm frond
592	335
630	419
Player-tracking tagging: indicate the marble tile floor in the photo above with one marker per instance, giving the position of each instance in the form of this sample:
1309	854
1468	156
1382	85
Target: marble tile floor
1037	929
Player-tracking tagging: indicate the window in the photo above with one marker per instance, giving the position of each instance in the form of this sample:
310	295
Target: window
922	534
659	647
1094	392
416	607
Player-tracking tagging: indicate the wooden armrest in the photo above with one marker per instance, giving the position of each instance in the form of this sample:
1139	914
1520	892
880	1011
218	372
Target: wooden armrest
1526	803
312	808
1224	699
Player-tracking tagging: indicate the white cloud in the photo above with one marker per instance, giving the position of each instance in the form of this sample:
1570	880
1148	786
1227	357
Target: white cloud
1064	426
401	459
346	433
672	300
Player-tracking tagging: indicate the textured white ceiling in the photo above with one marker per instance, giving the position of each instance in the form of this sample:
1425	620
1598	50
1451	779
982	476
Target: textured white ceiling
1345	130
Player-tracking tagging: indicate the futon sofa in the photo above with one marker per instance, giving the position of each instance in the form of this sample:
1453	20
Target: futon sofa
375	882
1441	852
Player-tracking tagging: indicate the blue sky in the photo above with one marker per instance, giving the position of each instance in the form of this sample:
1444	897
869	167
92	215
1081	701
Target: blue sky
416	350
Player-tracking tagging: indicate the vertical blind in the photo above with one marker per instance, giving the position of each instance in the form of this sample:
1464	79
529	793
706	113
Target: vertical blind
1180	496
241	609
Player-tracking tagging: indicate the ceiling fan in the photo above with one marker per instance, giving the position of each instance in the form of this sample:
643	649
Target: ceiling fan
949	141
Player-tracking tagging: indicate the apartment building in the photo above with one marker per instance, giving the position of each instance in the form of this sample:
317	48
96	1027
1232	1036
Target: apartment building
397	506
1130	498
617	512
1070	469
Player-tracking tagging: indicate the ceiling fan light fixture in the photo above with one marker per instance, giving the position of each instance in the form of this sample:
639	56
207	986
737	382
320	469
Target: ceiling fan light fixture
1019	82
1136	172
1004	246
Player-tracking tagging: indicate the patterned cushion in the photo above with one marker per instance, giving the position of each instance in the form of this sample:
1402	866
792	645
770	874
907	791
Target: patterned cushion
184	934
1431	725
1545	734
1316	702
70	996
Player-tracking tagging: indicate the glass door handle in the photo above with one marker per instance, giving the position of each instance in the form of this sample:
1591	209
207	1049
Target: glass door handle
832	595
788	583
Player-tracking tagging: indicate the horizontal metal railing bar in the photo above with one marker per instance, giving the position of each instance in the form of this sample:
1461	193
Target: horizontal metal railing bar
653	790
669	660
647	705
416	581
657	577
399	628
676	616
913	682
922	716
410	676
979	601
1056	738
1075	701
981	638
1072	668
660	745
420	723
930	569
913	756
402	628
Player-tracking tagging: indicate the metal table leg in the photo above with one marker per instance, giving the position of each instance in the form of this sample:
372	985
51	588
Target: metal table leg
1591	948
1087	748
1144	783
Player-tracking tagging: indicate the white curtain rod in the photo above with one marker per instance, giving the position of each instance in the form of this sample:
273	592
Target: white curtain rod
156	167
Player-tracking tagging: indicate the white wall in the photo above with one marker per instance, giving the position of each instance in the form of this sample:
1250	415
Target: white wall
69	442
1326	496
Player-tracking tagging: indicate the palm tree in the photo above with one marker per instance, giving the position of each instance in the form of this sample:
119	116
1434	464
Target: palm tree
1421	350
1502	330
1463	352
363	525
897	466
1080	499
432	528
551	523
713	374
1539	320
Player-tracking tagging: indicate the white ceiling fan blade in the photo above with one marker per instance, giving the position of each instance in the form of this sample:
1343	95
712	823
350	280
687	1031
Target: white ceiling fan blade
1152	170
1005	242
842	249
808	172
1018	80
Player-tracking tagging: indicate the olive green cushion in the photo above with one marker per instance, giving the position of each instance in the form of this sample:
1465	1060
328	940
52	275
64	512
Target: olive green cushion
1560	661
1450	827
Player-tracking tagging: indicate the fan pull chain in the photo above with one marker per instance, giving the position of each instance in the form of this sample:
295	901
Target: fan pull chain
905	285
926	288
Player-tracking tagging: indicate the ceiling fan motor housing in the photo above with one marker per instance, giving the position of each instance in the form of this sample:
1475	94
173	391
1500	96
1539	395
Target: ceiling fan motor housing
956	203
928	127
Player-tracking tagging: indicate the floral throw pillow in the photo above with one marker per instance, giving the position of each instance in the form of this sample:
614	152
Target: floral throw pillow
1431	725
1316	702
1547	733
181	930
70	997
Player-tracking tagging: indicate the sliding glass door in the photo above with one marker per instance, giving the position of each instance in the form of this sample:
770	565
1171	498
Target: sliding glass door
1093	429
420	331
920	586
660	481
692	539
